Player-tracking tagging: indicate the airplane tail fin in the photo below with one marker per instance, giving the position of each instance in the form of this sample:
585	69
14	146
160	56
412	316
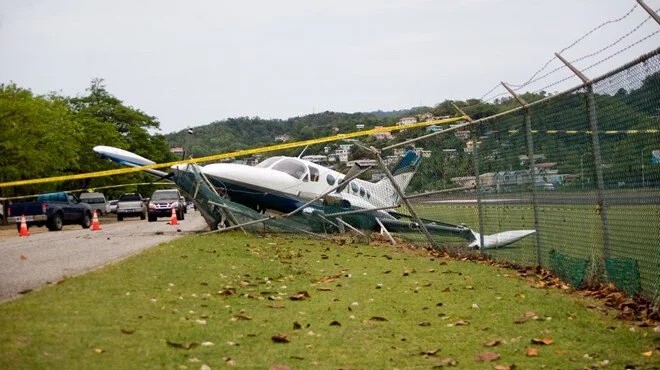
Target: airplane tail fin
403	171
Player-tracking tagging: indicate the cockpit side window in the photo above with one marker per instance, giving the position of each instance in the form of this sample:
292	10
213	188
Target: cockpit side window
291	167
313	174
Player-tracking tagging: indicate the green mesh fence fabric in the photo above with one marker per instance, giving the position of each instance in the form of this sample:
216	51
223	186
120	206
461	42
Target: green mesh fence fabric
624	273
570	269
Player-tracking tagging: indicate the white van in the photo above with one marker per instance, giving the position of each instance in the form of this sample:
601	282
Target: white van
97	201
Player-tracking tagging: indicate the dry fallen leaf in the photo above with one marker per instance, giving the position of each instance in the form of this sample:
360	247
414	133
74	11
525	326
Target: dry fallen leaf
430	353
505	367
487	356
545	341
227	292
280	338
300	296
647	354
377	318
461	322
242	317
183	345
448	362
492	343
279	367
531	351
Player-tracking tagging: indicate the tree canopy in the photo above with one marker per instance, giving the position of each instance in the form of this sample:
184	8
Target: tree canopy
51	135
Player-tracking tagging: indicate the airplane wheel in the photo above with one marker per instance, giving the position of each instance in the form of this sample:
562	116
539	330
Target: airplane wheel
223	222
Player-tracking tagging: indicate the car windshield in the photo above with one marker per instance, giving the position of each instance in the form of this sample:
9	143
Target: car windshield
92	200
165	195
129	198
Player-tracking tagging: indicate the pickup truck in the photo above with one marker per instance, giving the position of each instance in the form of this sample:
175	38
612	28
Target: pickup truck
52	210
131	204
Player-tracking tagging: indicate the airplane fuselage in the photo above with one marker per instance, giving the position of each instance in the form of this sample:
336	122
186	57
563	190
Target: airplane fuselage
283	184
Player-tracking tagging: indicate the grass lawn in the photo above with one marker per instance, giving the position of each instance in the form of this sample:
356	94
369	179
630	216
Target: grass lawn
230	300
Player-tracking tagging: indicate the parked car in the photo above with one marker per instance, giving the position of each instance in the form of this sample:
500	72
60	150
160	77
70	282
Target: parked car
95	200
131	205
161	204
52	210
112	206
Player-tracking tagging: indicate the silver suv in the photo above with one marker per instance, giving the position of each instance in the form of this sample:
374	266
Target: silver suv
131	204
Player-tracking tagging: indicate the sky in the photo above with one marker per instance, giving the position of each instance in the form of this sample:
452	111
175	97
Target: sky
193	62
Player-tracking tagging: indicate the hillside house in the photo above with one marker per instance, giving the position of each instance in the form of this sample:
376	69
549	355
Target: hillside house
385	135
405	121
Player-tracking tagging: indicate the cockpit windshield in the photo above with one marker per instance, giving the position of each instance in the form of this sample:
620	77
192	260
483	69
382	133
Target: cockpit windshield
268	162
290	166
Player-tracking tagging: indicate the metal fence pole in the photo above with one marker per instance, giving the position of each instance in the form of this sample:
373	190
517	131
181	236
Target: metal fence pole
598	163
652	13
477	180
532	173
405	200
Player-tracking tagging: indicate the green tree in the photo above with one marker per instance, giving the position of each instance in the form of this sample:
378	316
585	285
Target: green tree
38	136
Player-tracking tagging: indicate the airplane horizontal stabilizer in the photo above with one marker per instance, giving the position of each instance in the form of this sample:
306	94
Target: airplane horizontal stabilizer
444	229
500	239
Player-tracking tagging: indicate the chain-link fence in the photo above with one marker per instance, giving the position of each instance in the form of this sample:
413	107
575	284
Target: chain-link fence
570	182
582	168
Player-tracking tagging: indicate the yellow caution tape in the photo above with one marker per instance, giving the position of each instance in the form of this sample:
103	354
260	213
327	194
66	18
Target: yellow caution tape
239	153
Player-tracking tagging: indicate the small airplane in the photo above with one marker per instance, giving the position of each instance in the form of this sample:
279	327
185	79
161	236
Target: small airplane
282	185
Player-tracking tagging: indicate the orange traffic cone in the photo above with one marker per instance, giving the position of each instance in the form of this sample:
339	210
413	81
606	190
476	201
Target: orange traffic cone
173	219
23	230
95	222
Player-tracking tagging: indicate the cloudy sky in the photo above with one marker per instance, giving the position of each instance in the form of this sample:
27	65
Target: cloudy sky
192	62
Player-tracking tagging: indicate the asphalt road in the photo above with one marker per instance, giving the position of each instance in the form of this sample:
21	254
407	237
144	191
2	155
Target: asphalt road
46	257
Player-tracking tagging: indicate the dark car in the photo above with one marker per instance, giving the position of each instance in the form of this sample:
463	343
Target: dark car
162	202
52	210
